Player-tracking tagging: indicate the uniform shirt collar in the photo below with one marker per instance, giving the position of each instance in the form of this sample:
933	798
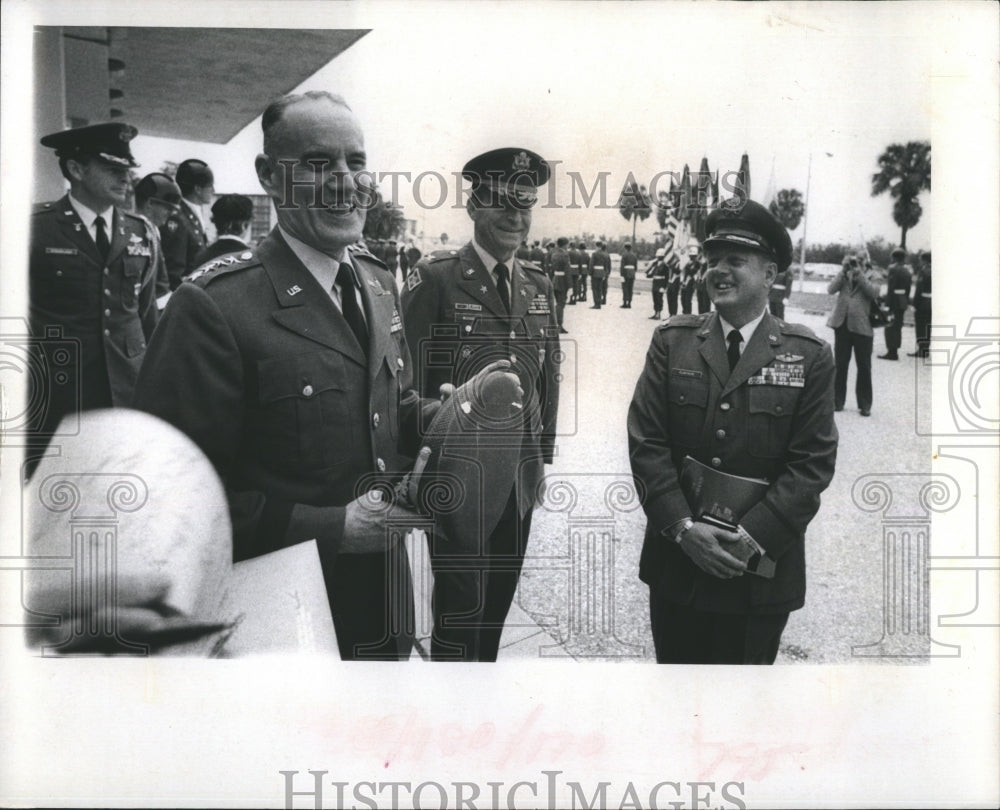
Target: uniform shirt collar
88	215
323	268
490	262
746	331
194	209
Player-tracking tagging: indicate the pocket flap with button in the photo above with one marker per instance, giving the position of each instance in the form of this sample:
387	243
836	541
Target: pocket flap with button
304	375
772	400
688	393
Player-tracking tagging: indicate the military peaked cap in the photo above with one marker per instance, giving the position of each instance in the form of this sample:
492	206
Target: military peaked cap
109	142
749	224
512	171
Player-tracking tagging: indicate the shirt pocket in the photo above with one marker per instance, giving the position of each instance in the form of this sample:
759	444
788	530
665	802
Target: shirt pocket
770	410
301	420
687	401
132	281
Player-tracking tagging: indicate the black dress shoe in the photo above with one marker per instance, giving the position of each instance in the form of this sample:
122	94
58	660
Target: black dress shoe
563	331
865	412
888	357
623	306
595	306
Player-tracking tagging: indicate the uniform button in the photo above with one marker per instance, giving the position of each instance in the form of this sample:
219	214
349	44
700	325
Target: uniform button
777	409
107	313
307	391
720	434
513	334
724	406
681	398
716	462
59	272
399	362
375	419
513	358
107	333
468	328
106	271
380	464
107	292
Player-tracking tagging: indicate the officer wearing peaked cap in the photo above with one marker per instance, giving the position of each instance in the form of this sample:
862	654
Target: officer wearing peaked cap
474	306
747	394
92	274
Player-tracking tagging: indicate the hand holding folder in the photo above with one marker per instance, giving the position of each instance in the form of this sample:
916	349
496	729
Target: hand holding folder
721	499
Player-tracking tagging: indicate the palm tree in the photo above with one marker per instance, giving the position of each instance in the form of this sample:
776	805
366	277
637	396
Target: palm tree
904	171
634	203
384	219
788	208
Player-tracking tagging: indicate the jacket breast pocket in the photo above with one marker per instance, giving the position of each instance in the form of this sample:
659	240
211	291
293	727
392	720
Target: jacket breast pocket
687	402
302	420
770	410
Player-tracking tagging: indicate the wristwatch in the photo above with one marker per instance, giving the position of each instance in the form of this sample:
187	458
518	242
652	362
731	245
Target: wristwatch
680	534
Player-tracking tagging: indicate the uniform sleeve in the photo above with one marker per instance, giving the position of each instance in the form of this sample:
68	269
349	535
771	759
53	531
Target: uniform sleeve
174	244
656	478
421	312
192	377
148	311
551	374
793	499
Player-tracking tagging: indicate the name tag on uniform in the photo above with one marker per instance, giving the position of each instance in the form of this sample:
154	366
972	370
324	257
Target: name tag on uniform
788	375
57	251
137	250
396	323
469	307
539	305
686	372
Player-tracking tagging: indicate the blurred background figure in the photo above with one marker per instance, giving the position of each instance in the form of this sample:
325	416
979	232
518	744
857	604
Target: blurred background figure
232	215
852	332
157	198
183	236
780	290
628	267
658	272
922	305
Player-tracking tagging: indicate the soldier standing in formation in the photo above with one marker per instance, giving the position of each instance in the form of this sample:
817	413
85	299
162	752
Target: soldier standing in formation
898	296
747	394
658	272
475	305
673	283
922	306
92	278
628	268
689	281
583	274
559	270
600	269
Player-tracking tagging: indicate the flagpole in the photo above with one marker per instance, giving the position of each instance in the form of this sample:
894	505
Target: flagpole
805	220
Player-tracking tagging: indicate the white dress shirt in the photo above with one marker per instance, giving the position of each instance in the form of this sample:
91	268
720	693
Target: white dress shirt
89	217
746	331
490	263
324	269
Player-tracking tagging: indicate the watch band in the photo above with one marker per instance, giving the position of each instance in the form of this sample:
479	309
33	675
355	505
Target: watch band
680	534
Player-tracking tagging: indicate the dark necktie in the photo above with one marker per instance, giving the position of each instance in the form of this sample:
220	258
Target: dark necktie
103	246
349	306
503	288
734	338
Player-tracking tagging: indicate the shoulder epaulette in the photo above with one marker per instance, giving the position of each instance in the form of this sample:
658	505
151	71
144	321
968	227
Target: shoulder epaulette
689	321
359	250
530	265
799	330
441	255
223	265
41	208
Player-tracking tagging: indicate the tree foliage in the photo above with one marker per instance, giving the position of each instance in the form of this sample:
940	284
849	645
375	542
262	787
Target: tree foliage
904	171
634	203
788	207
384	219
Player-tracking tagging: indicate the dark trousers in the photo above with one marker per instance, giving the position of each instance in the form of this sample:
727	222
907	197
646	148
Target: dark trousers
657	299
597	287
894	334
371	597
627	286
844	342
560	306
672	300
777	307
472	594
705	303
687	294
922	322
683	635
574	286
581	287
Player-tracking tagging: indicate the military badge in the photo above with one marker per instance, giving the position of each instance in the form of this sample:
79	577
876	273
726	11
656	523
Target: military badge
397	322
294	290
62	251
790	358
469	307
172	225
539	305
522	162
413	279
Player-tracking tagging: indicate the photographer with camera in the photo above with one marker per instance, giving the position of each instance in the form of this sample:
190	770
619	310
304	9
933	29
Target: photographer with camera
853	332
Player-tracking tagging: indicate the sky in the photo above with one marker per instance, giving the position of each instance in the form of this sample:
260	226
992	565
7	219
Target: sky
813	94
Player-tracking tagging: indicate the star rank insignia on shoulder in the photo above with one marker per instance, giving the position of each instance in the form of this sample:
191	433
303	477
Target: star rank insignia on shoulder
221	266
